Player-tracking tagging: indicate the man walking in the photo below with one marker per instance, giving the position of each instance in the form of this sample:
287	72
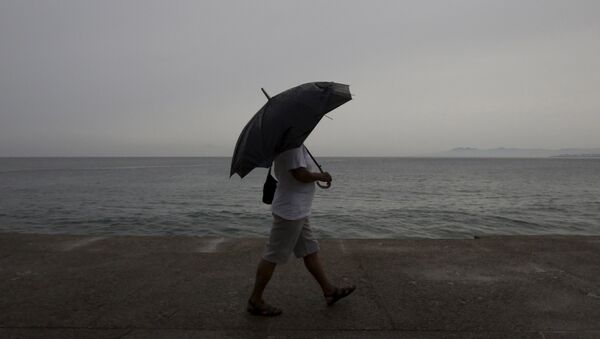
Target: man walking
291	230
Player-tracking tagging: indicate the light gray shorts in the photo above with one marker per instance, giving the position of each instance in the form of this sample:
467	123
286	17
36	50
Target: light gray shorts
289	236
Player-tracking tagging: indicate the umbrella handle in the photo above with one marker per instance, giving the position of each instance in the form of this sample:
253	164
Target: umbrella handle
326	186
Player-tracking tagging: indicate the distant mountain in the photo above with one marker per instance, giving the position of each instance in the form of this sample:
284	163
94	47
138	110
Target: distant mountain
470	152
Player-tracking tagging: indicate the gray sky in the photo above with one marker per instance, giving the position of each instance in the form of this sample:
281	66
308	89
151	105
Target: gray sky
183	77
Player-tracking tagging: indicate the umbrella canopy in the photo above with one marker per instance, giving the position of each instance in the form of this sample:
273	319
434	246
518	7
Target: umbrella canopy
284	122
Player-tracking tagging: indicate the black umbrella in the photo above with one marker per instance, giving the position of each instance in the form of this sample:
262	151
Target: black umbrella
284	122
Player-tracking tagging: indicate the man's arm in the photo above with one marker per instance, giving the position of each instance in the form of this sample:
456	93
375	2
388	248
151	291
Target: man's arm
303	175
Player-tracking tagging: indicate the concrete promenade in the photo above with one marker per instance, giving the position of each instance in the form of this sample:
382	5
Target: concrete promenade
64	286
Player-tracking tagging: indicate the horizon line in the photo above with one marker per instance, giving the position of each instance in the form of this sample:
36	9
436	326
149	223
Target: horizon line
579	156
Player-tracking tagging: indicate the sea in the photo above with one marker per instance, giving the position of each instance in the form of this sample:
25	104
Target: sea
370	198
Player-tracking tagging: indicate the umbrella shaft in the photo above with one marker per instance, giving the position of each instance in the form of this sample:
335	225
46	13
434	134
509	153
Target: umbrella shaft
313	159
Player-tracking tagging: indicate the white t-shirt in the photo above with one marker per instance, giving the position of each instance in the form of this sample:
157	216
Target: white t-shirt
293	198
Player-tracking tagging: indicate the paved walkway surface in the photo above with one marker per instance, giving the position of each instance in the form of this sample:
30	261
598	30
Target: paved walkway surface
64	286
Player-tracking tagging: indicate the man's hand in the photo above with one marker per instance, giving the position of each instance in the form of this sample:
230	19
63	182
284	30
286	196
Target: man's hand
303	175
325	176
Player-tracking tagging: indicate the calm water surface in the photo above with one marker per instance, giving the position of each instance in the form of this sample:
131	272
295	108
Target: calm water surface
370	197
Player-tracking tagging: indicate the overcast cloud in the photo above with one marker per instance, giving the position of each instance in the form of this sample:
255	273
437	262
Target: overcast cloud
176	78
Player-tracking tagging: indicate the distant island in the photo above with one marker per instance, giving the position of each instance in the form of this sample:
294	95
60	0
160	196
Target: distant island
501	152
597	155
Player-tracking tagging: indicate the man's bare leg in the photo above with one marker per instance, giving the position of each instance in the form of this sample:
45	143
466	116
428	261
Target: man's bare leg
264	272
331	293
314	266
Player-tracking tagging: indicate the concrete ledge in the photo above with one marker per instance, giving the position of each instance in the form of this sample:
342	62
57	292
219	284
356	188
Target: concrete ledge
193	287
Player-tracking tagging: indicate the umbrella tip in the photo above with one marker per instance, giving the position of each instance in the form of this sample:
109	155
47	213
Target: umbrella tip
265	93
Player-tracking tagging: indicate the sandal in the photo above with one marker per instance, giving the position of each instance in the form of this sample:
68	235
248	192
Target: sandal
338	294
263	309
